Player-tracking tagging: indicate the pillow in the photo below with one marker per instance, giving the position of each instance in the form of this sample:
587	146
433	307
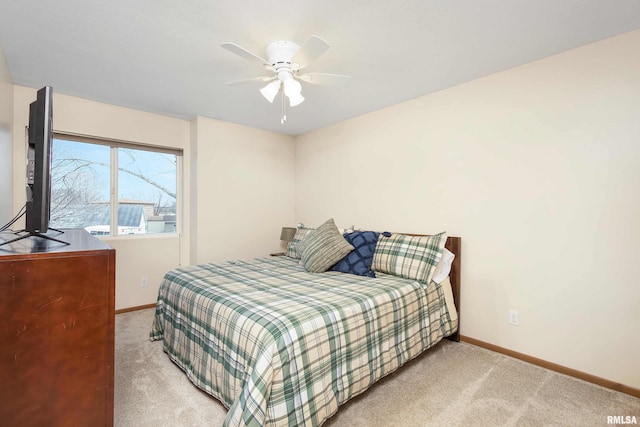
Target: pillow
444	266
300	246
411	257
359	260
292	247
324	247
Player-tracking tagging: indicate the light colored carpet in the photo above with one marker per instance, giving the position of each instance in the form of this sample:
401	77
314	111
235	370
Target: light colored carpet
452	384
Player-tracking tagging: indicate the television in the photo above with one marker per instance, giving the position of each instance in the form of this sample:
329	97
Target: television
39	162
39	151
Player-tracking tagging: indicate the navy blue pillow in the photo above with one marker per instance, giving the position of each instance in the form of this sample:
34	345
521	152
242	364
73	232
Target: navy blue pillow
359	260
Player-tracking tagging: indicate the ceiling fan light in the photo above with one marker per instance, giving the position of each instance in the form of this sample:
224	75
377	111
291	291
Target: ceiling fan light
292	87
271	90
296	100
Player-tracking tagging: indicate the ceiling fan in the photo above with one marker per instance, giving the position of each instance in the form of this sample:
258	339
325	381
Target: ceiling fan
286	59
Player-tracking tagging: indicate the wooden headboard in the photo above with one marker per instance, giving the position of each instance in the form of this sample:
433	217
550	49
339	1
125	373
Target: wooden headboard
454	244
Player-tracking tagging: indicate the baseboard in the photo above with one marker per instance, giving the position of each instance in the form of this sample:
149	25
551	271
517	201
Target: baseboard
554	367
139	307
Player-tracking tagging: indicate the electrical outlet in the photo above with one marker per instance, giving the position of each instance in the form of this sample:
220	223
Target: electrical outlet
514	318
144	282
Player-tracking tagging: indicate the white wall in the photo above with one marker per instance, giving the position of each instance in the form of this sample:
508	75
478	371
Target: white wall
6	122
244	190
135	257
538	170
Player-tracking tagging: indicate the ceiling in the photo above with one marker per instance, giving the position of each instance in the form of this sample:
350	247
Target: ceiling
164	56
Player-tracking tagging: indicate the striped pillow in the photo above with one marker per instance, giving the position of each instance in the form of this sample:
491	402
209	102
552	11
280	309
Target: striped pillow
323	248
411	257
292	248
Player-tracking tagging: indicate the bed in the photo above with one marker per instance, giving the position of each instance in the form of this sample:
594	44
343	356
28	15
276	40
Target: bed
281	346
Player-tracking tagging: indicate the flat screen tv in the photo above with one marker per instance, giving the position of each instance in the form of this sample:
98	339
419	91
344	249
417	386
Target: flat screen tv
39	162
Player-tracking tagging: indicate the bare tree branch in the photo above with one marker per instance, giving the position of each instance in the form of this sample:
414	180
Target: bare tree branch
85	163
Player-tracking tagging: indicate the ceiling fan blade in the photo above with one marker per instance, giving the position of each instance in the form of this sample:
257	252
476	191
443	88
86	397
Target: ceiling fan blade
240	51
310	51
324	78
251	80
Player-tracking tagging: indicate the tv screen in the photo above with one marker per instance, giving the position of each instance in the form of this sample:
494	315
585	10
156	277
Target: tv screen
39	162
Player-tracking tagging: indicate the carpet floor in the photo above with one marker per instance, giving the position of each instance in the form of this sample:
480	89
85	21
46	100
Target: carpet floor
452	384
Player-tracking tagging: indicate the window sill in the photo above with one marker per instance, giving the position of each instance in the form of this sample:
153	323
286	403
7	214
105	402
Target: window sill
140	236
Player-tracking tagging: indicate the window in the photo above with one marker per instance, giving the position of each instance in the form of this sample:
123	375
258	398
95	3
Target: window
112	187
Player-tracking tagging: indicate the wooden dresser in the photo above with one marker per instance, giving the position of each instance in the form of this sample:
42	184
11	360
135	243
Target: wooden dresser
57	325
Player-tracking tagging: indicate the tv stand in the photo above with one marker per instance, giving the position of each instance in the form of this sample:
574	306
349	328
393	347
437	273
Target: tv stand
34	234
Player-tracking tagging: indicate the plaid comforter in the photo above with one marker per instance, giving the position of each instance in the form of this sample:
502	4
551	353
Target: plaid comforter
280	346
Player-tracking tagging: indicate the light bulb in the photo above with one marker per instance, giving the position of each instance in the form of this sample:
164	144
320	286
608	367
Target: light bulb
292	87
271	90
296	100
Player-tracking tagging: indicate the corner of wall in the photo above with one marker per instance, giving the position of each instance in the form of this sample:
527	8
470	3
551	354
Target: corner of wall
193	192
6	143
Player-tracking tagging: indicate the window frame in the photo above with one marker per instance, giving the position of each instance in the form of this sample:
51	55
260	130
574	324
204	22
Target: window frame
114	145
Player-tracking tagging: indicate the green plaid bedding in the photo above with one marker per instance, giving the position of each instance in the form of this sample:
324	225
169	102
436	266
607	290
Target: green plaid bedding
279	346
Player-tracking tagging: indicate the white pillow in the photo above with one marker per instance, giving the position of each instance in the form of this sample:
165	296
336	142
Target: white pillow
444	266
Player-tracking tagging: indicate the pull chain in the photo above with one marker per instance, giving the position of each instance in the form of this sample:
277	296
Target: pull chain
284	114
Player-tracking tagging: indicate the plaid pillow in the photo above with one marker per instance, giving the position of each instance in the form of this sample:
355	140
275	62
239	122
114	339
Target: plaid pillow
292	247
323	248
411	257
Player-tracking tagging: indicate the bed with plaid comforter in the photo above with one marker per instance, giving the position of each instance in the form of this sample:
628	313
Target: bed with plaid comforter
279	346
